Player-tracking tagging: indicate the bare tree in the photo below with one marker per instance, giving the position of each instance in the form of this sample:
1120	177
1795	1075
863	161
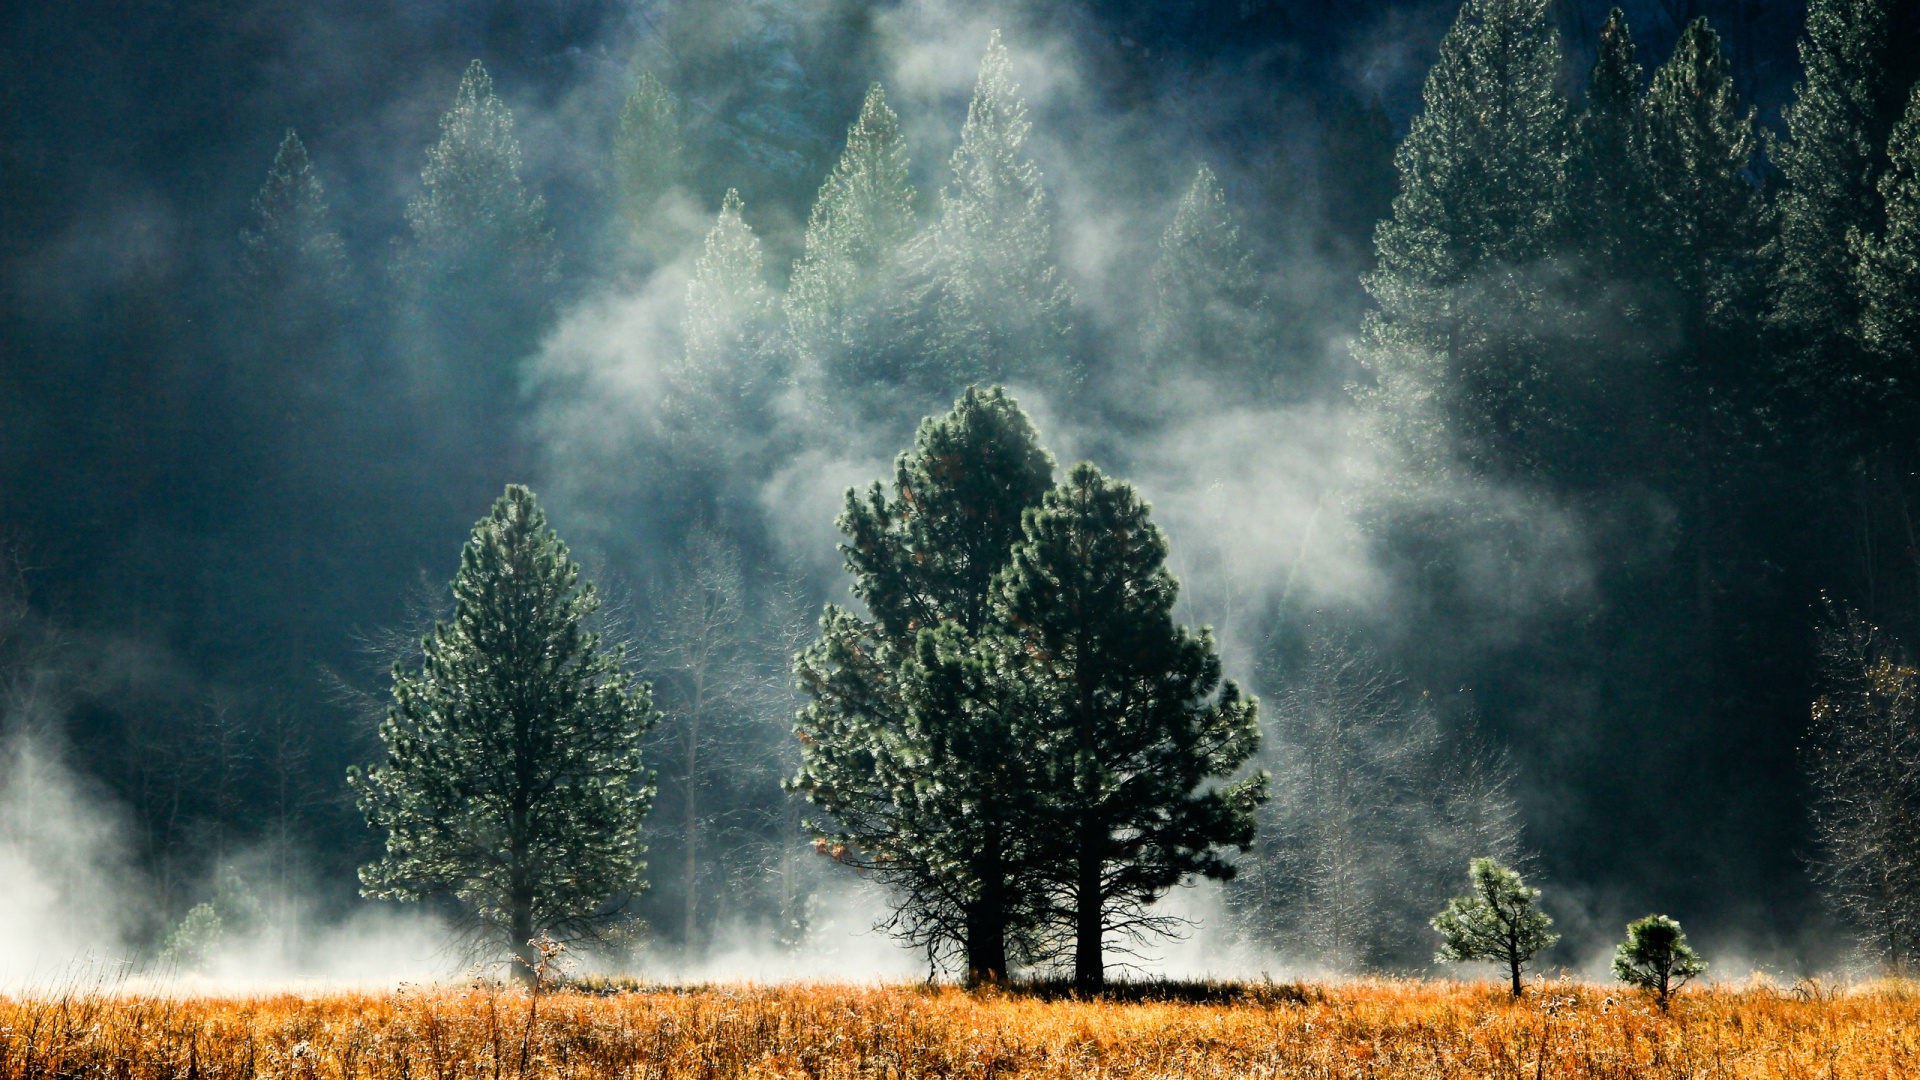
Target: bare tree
1863	756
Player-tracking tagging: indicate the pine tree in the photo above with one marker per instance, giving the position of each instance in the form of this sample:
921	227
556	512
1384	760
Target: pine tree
1496	922
289	244
998	304
860	224
1704	211
726	372
1858	59
512	780
1605	176
1137	716
648	148
1209	314
1656	957
1457	378
1887	278
908	742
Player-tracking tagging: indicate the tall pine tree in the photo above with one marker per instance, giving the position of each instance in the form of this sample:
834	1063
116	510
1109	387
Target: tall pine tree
512	780
290	245
1137	717
1887	277
648	148
1859	57
1209	315
908	739
1456	378
1605	181
860	224
997	307
726	373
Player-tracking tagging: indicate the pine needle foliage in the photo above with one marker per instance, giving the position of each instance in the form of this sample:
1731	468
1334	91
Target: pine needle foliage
1209	314
512	781
1656	957
1605	176
1887	277
648	148
998	303
289	242
1139	722
910	742
1496	922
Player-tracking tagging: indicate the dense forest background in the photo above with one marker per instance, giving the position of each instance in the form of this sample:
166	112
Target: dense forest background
230	506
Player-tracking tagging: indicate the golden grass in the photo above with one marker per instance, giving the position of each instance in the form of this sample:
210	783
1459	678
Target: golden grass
1354	1029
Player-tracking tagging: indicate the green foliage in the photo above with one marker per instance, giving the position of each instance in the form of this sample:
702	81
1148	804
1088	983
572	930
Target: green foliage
1887	278
1705	212
1453	347
998	305
728	304
195	941
860	224
1496	922
512	780
909	740
289	242
1209	314
1606	185
1656	957
647	150
473	212
1136	715
1830	164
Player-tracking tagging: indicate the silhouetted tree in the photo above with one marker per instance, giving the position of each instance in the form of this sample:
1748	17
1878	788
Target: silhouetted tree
512	780
1137	716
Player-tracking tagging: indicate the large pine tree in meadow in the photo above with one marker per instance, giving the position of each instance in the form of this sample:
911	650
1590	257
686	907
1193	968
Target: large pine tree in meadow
1137	721
910	741
996	306
512	780
860	224
1456	378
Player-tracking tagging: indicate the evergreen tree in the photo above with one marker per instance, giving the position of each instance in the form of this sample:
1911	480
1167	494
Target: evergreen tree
289	244
1858	59
725	375
1887	278
860	224
1606	196
1704	211
998	306
1656	957
476	270
512	780
1136	714
648	148
1496	922
1209	313
908	738
1456	372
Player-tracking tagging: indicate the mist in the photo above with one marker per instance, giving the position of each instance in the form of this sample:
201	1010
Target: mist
236	507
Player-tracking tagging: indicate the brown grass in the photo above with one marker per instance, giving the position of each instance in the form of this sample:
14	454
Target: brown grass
1355	1029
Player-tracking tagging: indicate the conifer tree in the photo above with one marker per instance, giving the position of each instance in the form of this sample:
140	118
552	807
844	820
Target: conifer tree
289	243
1858	59
1137	717
1704	211
860	224
512	780
1605	181
1209	311
647	150
1482	176
909	740
725	373
998	306
1656	957
1496	922
1887	275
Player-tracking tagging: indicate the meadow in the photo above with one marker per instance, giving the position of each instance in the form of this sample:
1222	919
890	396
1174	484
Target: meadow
1381	1028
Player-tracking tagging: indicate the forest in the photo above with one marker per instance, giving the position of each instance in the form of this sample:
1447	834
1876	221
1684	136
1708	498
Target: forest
1506	397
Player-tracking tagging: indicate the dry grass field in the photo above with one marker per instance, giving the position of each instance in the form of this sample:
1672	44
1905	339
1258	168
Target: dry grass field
1354	1029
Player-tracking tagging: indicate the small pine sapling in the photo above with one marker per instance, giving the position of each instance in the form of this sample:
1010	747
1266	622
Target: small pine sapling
1497	922
1656	957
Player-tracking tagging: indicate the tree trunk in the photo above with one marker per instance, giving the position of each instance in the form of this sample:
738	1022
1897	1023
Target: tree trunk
520	929
987	928
1089	972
